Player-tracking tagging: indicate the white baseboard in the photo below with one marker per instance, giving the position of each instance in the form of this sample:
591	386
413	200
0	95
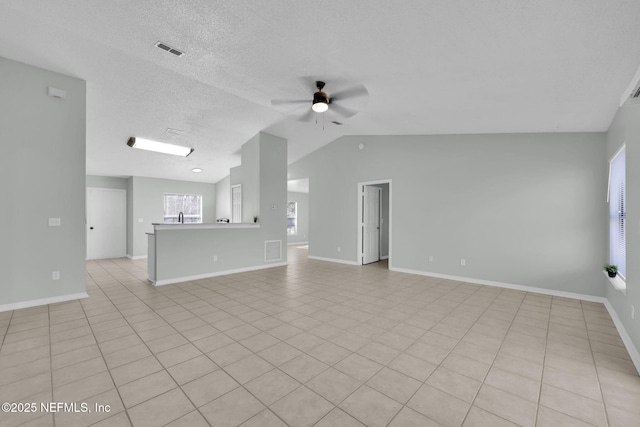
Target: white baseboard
297	243
215	274
384	257
131	257
339	261
626	339
533	289
42	301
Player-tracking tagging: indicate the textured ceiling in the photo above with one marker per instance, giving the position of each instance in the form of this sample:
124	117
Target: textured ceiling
431	67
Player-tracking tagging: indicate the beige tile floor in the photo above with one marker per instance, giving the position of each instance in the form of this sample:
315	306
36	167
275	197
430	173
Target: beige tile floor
315	343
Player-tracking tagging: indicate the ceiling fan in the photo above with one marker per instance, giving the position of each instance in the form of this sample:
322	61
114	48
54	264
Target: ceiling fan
341	104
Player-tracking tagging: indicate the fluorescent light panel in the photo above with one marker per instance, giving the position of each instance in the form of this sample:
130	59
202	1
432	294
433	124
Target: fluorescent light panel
159	147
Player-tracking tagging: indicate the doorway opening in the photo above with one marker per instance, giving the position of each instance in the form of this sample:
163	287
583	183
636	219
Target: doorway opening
374	222
298	212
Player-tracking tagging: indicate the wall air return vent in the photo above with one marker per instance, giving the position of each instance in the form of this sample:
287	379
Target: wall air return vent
272	250
169	49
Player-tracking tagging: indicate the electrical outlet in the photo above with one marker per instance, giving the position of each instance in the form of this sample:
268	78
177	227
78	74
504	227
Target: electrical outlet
215	258
430	258
140	219
55	275
54	222
463	262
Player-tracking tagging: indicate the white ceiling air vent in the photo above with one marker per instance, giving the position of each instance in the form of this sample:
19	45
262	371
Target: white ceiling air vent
169	49
632	94
174	131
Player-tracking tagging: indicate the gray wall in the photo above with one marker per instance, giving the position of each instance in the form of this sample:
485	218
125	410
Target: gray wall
223	198
185	253
97	181
523	209
303	217
42	170
625	128
148	203
130	250
248	175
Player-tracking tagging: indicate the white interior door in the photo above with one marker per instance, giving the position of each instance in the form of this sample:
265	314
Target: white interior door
371	224
106	223
236	203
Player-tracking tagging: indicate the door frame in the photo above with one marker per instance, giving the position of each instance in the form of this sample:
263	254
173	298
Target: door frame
360	195
124	218
377	191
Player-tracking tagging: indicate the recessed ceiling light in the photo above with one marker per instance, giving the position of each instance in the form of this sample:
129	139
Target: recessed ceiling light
196	170
159	147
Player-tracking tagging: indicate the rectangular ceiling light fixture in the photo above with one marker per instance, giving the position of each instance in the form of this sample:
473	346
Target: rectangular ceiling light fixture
160	147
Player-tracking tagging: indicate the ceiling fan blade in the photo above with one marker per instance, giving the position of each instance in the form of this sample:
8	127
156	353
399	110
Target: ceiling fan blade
276	102
307	117
351	92
341	111
308	83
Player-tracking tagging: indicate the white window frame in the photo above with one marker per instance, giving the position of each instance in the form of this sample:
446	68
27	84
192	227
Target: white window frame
616	197
175	216
236	203
295	219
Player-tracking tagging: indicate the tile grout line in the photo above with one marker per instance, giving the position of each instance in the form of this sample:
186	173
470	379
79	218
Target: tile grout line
102	355
368	297
544	359
154	355
595	366
493	361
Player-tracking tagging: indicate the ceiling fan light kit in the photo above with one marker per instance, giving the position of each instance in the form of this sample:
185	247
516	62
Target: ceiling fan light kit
320	99
159	147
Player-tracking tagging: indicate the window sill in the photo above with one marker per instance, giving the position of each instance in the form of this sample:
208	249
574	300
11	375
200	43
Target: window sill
617	282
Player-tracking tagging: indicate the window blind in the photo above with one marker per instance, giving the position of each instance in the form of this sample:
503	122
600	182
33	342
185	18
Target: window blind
189	204
617	212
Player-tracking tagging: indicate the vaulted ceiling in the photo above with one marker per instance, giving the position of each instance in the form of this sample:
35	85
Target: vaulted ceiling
430	67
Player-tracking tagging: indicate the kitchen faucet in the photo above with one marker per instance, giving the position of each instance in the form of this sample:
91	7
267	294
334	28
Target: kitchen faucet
181	218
